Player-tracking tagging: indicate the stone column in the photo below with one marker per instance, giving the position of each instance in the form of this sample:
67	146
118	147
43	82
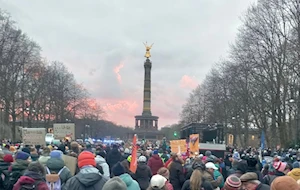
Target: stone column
147	88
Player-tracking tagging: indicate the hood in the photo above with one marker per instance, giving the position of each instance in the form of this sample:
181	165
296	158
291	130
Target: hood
88	176
127	179
115	151
142	166
295	172
55	164
44	159
26	180
156	156
33	175
20	165
100	160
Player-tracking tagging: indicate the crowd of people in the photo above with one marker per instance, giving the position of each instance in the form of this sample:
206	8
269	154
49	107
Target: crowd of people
107	167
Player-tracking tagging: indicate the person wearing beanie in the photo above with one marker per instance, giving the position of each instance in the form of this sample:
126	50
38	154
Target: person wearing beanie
5	161
55	164
143	173
119	170
115	183
295	174
45	156
155	162
6	150
19	165
8	158
26	149
88	177
166	174
281	169
113	156
232	183
284	183
252	163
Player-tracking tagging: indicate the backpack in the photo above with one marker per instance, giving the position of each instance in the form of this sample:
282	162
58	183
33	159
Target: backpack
53	180
11	179
33	186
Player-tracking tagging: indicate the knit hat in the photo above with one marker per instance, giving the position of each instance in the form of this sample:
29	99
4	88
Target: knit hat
236	156
56	154
12	149
22	156
115	183
142	159
118	169
295	174
284	183
232	183
155	152
86	158
8	158
280	166
27	150
157	181
296	164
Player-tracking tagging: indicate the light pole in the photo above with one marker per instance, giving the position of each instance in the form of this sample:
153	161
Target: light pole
296	118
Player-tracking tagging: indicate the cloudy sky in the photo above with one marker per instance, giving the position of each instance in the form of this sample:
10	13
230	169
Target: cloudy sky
100	41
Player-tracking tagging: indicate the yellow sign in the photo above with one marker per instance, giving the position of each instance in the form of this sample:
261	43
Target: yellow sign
194	144
230	139
178	146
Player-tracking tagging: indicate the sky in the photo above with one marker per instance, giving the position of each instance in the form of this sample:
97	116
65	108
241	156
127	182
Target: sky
101	43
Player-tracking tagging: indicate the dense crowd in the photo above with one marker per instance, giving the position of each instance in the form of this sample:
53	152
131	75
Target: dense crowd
107	167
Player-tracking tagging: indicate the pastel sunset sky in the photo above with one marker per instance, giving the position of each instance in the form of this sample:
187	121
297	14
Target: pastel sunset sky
101	42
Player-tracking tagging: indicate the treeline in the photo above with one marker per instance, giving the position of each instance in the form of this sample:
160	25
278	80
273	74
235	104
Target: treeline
257	87
34	90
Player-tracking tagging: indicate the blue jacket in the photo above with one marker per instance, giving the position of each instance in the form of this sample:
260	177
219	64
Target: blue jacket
130	183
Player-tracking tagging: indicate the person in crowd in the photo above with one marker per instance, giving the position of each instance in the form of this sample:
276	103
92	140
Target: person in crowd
210	176
281	169
164	156
56	165
126	165
62	148
252	163
6	150
26	149
100	160
143	173
5	161
113	157
75	150
155	162
217	174
45	156
88	177
115	183
125	154
33	178
34	154
196	182
284	183
165	173
250	182
295	173
265	170
232	183
119	170
18	167
157	182
176	172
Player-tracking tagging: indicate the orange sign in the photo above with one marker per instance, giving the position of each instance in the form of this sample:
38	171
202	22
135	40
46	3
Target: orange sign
194	144
133	163
178	146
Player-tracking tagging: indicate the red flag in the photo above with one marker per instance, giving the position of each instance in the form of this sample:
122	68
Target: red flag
133	163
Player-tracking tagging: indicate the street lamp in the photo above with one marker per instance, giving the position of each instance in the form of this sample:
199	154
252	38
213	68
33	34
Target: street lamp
293	102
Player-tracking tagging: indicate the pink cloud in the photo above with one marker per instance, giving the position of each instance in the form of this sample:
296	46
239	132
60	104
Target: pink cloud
188	82
117	71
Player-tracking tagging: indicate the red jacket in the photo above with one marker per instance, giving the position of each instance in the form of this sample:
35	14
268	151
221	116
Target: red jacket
28	180
155	163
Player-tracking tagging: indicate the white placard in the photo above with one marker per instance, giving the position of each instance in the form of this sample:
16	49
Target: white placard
62	130
33	136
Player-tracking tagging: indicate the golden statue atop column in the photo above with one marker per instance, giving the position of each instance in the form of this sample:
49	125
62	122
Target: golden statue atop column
148	48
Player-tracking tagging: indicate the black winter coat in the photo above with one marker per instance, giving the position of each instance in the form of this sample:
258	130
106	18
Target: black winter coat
143	175
176	175
113	157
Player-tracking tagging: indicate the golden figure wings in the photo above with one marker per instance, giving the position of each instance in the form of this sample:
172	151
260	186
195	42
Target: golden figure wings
148	48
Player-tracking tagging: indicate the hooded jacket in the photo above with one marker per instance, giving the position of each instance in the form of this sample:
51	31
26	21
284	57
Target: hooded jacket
143	175
155	163
29	178
102	162
55	165
113	157
88	178
43	159
295	174
130	183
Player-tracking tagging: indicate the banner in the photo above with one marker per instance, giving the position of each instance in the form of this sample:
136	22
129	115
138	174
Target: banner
194	144
62	130
133	163
262	141
178	146
33	136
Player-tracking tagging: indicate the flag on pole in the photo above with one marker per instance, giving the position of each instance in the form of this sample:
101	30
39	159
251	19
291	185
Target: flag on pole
133	163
